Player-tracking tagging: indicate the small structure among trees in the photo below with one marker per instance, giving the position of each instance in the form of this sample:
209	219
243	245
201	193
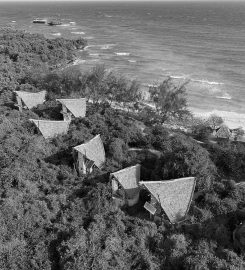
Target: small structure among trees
28	100
173	197
125	186
89	155
223	133
73	107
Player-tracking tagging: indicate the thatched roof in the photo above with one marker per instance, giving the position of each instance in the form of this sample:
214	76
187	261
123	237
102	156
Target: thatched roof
76	106
93	150
50	129
129	179
223	132
31	99
174	196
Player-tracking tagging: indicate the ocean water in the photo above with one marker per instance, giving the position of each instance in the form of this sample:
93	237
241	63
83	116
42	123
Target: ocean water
200	42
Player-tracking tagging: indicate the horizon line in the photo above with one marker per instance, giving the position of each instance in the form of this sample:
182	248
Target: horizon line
123	1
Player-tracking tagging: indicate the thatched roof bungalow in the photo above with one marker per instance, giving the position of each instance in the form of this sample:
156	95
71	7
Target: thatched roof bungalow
173	197
88	155
73	107
29	100
125	185
51	129
223	132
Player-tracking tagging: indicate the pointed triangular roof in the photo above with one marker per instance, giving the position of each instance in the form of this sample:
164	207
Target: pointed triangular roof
223	132
50	129
31	99
174	196
93	150
129	179
76	106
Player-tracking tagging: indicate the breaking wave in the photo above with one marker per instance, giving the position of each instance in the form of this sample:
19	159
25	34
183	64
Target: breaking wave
225	96
56	34
207	82
196	80
64	24
102	47
107	46
94	54
178	77
78	33
122	54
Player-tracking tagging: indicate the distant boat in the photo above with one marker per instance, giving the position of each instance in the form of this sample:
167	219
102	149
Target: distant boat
38	20
53	23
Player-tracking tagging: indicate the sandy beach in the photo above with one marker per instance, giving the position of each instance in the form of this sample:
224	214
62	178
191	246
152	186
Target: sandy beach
231	119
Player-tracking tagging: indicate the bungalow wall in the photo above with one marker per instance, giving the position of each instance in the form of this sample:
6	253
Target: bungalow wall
67	115
81	164
127	197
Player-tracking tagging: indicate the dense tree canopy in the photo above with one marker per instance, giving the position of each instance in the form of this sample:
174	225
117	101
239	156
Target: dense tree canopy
51	218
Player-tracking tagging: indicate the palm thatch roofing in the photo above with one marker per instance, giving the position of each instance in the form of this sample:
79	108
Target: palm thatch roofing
76	106
93	150
129	179
31	99
51	129
223	132
174	196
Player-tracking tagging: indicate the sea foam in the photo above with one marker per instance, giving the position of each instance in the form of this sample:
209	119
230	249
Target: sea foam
225	96
107	46
78	33
207	82
102	47
122	54
201	81
64	25
178	77
56	34
94	54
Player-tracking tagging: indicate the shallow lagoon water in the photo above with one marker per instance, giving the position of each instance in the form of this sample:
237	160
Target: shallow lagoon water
199	42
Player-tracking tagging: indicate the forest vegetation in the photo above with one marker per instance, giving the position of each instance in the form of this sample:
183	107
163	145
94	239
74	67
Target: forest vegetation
53	219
